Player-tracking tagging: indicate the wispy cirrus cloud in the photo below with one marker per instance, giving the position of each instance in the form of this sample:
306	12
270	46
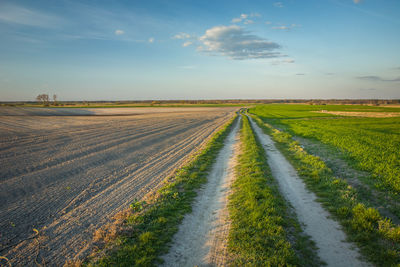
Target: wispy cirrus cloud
181	35
279	4
283	62
377	78
285	27
236	43
240	18
15	14
189	39
282	27
89	23
249	21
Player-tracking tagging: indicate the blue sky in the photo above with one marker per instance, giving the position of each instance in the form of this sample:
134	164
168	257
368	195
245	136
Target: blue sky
166	49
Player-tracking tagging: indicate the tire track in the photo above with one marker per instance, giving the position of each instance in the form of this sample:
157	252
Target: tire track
323	230
201	238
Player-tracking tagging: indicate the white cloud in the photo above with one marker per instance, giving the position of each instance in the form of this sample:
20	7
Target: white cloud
245	18
236	43
278	4
252	15
249	21
185	44
119	32
285	27
151	40
181	35
239	19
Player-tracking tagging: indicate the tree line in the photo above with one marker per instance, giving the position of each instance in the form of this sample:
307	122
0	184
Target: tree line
45	99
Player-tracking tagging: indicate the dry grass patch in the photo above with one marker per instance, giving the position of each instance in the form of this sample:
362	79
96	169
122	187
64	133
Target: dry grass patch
361	114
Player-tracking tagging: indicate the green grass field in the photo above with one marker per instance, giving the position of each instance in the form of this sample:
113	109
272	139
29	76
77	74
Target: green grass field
373	144
377	236
286	111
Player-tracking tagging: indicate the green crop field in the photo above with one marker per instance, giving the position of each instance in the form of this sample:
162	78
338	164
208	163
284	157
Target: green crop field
372	143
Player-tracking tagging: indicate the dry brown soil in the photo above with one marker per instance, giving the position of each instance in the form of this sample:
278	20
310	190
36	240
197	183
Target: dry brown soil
66	172
362	114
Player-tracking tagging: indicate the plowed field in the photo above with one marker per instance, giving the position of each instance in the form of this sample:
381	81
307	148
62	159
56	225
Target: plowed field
66	173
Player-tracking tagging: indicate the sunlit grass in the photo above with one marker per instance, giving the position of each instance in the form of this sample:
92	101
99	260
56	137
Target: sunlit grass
261	226
377	236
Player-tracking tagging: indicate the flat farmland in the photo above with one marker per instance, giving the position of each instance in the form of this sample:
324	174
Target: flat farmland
66	172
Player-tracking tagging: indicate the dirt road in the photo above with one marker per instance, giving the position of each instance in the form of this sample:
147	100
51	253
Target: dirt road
202	236
325	232
68	175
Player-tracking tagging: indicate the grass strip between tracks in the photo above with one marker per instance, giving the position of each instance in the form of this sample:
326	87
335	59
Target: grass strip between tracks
262	231
150	226
377	237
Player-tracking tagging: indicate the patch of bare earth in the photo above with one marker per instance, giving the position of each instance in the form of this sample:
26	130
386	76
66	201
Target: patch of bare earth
391	106
362	114
69	175
323	230
202	236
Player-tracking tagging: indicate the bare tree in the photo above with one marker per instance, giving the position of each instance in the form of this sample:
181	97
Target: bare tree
44	98
55	100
